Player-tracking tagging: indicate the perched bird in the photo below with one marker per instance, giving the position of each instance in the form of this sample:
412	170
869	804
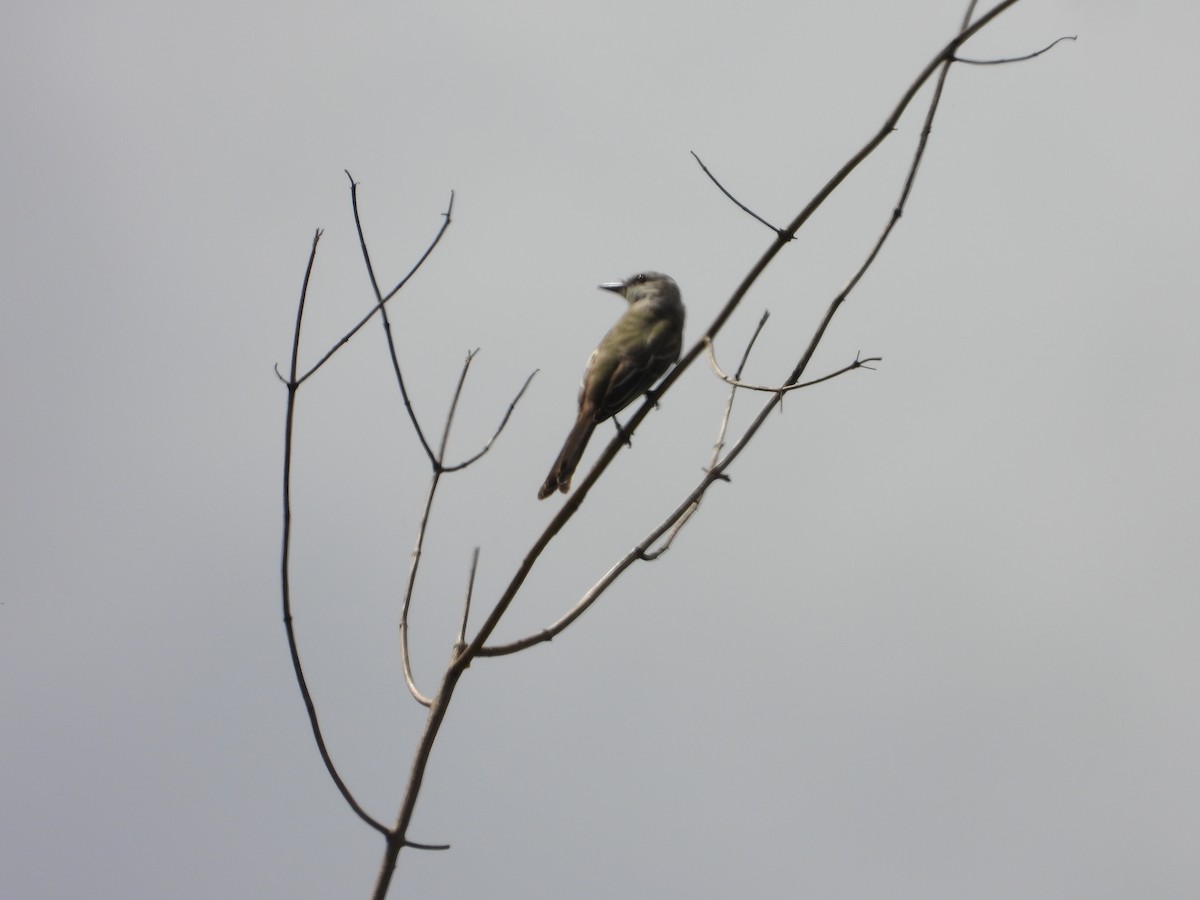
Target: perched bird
633	355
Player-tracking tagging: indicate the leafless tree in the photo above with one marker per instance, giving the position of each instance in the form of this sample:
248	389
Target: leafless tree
474	644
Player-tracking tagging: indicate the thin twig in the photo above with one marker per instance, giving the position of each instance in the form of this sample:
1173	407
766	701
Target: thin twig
718	445
414	565
462	378
735	382
417	846
1013	59
462	626
503	421
738	203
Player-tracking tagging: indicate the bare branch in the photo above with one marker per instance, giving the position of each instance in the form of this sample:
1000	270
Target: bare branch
740	205
387	322
1014	59
462	627
293	385
735	382
409	587
441	454
718	445
504	421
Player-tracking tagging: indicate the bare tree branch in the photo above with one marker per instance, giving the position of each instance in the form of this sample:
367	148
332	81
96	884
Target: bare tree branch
293	385
462	626
736	382
387	325
738	203
718	444
410	585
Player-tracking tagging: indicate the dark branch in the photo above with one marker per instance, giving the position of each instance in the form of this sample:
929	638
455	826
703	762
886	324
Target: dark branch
285	565
380	300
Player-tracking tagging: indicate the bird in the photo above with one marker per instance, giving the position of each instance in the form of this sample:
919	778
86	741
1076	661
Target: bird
638	349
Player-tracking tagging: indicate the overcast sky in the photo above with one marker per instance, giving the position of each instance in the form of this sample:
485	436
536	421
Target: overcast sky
936	639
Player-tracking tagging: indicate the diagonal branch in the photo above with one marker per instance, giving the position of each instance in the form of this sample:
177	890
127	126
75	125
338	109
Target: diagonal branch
738	203
387	325
941	61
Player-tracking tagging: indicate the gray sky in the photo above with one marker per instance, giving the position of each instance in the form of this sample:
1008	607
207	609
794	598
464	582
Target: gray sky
936	639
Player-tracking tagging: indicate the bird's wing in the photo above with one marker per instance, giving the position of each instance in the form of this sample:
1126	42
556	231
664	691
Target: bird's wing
634	374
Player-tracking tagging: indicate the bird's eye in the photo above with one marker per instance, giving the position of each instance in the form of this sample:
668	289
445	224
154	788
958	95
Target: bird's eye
640	279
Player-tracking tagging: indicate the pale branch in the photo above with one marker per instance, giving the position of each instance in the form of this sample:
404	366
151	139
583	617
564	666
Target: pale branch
1014	59
410	587
293	385
718	444
735	382
738	203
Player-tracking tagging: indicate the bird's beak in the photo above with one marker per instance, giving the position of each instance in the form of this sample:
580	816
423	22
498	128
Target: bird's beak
615	286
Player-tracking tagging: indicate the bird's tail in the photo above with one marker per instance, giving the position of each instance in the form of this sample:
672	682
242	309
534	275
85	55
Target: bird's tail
559	478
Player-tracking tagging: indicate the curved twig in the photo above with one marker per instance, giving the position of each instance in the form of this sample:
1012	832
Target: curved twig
718	445
735	382
410	583
1013	59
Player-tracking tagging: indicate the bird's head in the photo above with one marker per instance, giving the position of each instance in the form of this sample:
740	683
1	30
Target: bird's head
651	287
